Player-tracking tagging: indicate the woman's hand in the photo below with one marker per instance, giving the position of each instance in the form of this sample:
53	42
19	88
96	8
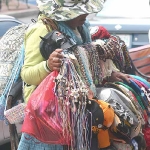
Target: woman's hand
55	60
119	76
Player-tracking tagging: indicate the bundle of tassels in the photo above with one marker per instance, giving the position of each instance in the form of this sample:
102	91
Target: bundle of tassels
72	96
114	48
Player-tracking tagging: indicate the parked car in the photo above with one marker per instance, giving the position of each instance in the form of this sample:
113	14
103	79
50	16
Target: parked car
130	19
7	22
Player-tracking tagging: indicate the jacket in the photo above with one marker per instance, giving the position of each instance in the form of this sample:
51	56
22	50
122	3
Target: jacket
34	68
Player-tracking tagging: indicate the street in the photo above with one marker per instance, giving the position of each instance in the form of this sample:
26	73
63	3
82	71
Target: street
5	147
28	19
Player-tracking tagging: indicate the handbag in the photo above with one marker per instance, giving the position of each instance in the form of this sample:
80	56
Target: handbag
15	114
15	106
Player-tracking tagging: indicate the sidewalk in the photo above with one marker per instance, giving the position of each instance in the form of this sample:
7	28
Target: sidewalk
23	10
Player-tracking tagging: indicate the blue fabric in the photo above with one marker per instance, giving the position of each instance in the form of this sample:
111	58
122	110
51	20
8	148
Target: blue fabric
15	73
141	79
138	90
28	142
85	33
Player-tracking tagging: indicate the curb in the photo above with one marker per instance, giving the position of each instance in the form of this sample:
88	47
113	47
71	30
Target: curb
22	13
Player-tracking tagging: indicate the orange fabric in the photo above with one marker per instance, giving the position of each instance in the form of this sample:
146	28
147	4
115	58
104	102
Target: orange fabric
108	113
103	135
103	139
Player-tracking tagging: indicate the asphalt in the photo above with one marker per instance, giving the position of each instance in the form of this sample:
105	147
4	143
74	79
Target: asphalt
23	10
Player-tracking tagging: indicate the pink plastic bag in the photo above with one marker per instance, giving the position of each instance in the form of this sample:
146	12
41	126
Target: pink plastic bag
42	119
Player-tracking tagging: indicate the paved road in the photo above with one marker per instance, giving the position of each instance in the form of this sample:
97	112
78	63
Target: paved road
5	147
28	19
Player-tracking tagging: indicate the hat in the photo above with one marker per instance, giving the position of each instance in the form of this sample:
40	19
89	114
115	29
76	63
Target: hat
119	102
63	10
99	32
97	113
108	112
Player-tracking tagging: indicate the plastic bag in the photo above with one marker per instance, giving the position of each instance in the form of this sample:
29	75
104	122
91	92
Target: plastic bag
41	115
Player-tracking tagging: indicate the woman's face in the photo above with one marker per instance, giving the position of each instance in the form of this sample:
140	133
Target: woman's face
76	22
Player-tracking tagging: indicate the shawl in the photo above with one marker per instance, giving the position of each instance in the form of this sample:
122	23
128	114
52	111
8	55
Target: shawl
84	31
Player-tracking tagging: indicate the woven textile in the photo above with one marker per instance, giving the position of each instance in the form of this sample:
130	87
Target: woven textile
16	114
10	47
11	59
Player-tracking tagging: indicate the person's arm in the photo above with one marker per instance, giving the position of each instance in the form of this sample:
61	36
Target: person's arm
33	70
112	74
120	77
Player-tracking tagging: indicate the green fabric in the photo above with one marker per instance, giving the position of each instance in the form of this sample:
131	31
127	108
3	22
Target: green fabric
136	95
84	31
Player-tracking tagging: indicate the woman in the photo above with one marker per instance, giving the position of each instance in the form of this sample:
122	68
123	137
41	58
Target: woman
69	17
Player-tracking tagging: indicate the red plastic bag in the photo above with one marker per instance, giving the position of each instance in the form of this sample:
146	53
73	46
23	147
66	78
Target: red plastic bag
146	132
42	119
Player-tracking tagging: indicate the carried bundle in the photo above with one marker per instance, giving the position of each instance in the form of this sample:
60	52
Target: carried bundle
85	66
11	60
62	109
